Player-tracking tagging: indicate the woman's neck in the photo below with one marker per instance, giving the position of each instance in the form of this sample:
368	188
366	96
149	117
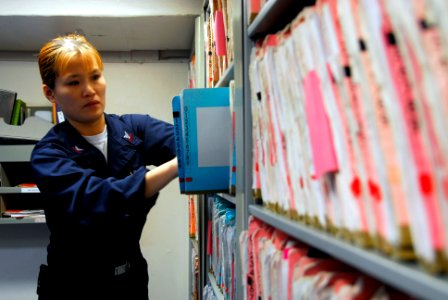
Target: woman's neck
92	128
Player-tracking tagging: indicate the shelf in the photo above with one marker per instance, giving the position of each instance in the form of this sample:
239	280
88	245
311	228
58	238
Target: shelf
227	197
15	153
274	15
226	77
31	131
215	287
18	190
406	277
29	220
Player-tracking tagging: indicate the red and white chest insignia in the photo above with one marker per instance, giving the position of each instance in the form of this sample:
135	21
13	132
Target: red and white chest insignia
77	149
128	136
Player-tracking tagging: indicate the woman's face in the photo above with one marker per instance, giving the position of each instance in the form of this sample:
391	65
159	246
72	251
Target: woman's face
80	92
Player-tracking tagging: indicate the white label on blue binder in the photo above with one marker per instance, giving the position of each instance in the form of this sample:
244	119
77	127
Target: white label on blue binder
213	129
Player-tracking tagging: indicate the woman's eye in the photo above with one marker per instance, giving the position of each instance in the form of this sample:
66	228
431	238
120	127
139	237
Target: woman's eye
96	76
73	83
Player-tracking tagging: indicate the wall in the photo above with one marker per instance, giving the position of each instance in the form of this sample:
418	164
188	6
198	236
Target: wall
99	7
141	88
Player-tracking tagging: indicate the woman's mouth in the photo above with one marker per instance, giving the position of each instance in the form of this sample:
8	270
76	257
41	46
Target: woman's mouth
92	103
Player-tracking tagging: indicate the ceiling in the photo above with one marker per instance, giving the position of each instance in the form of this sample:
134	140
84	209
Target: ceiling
111	25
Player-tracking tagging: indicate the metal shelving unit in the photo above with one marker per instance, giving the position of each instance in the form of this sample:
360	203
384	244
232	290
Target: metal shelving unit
11	154
24	240
233	72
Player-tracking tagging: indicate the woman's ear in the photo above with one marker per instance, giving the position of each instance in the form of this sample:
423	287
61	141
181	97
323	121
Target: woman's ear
48	93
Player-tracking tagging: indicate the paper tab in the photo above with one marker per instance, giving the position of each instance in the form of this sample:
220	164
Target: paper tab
324	157
220	34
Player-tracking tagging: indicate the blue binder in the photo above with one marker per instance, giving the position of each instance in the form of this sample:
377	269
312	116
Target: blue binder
206	139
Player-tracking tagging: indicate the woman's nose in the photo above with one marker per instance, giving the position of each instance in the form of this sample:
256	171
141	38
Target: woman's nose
88	89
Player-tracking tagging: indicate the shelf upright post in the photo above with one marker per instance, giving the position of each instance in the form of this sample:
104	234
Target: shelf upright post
203	271
248	44
199	50
242	132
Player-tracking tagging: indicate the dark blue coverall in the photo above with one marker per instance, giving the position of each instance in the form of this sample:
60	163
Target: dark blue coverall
96	211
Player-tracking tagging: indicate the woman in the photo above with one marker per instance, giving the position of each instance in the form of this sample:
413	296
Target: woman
91	170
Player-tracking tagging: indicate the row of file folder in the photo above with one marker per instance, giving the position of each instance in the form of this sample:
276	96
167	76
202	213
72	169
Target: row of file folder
277	267
349	106
218	35
221	244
